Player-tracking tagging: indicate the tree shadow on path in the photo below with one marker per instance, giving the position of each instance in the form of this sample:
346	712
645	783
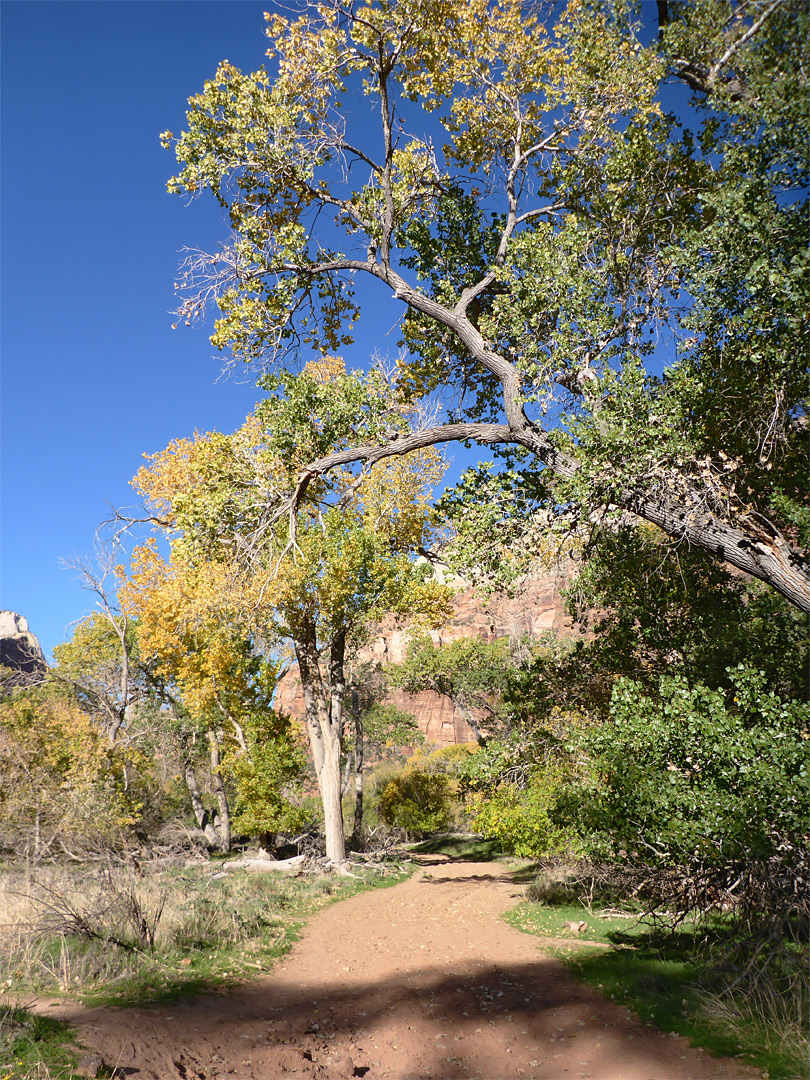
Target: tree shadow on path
483	1020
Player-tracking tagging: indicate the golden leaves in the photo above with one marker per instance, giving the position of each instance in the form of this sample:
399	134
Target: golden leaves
492	64
308	53
190	620
233	564
168	471
397	496
326	370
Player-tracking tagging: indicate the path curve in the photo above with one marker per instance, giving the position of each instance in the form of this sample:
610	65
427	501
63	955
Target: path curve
420	981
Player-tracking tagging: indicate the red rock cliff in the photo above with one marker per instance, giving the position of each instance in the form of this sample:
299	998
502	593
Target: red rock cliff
535	609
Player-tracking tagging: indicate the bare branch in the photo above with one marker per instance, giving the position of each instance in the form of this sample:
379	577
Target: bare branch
736	45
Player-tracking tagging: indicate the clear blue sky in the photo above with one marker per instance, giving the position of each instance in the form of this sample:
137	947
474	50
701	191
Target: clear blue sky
93	375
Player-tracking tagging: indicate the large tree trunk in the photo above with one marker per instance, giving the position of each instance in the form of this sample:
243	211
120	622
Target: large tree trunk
752	544
329	782
357	830
323	709
224	822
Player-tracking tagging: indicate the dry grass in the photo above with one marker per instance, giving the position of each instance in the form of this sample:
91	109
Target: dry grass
59	923
776	1022
107	930
113	933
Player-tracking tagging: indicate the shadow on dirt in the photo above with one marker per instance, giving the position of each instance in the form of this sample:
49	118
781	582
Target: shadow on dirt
462	848
283	1034
473	879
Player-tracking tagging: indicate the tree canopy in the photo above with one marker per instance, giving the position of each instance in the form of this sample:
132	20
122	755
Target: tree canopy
307	585
547	226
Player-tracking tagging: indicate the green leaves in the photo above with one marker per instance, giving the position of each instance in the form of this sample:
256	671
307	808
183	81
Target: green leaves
267	773
691	779
521	819
471	672
325	408
566	237
342	558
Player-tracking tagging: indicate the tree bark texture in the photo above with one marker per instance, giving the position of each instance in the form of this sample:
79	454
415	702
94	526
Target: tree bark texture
750	543
357	830
323	704
747	541
200	813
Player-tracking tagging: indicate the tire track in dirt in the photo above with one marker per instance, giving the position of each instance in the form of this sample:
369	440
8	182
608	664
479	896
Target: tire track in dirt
421	981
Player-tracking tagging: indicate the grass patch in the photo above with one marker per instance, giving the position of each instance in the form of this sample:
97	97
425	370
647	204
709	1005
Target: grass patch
34	1047
205	929
603	927
665	976
670	987
469	848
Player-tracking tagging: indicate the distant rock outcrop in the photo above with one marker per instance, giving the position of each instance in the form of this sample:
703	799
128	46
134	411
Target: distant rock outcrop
20	652
535	609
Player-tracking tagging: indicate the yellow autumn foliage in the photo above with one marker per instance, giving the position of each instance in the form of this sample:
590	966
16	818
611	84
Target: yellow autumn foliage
58	774
235	572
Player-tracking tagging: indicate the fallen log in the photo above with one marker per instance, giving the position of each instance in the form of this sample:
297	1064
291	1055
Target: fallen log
266	864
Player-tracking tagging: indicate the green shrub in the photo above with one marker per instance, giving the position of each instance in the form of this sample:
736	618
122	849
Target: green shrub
711	791
417	801
519	818
265	780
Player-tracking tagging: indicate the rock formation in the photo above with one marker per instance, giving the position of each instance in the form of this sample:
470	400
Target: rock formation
534	610
20	652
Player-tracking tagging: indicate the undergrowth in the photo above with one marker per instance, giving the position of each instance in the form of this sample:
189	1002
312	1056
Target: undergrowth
124	937
34	1047
688	977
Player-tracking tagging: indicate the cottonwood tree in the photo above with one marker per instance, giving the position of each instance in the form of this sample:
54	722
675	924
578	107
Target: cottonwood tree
97	664
314	581
509	180
218	686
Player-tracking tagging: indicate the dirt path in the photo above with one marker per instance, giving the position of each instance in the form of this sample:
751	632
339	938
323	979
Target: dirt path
422	980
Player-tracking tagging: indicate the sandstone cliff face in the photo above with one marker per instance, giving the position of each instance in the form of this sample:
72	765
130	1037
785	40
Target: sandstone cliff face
535	609
20	651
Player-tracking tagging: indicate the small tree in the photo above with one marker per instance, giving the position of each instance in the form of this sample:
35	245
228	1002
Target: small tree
416	801
100	662
471	672
265	775
220	690
60	781
422	796
315	581
99	666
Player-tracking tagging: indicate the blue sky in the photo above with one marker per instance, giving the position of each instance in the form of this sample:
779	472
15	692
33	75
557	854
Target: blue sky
93	375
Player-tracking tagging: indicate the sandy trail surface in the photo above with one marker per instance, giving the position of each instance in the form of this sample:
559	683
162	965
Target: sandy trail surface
422	981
